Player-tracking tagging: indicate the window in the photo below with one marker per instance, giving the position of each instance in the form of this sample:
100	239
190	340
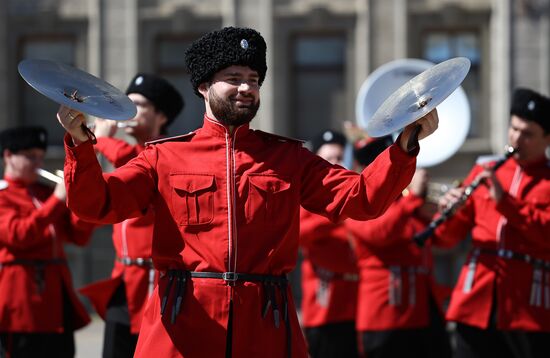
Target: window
170	64
36	109
442	45
318	83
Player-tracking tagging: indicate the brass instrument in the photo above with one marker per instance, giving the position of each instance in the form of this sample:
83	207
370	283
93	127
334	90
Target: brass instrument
421	237
56	178
435	190
126	124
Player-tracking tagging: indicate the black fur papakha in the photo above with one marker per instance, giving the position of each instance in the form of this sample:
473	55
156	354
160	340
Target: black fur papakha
532	106
223	48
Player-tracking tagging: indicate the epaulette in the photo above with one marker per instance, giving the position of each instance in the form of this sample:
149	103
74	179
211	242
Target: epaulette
3	184
178	138
279	137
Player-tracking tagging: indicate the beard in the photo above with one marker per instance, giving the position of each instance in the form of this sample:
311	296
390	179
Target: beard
227	112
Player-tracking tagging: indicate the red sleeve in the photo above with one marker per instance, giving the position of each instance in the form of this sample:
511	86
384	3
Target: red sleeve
117	151
339	194
529	217
307	227
315	228
21	230
106	198
387	228
80	231
459	224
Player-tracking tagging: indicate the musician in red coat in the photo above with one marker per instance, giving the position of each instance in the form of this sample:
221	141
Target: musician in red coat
120	300
226	200
39	310
398	313
501	302
329	271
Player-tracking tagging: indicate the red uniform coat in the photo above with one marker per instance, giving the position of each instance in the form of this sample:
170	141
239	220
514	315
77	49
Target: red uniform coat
35	225
395	274
520	223
227	202
329	271
132	239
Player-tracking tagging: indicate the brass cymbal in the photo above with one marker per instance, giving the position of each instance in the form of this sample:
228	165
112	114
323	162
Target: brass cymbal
418	97
77	89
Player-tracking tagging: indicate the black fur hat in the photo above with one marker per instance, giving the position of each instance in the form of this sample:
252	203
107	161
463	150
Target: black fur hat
223	48
531	106
21	138
327	137
165	97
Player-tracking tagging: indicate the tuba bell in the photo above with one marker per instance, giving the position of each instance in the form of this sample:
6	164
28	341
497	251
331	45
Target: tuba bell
56	177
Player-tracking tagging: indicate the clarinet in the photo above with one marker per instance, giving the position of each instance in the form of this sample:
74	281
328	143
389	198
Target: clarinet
421	237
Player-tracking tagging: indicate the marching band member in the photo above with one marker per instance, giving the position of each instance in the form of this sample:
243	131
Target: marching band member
501	302
120	300
226	201
399	307
329	271
39	310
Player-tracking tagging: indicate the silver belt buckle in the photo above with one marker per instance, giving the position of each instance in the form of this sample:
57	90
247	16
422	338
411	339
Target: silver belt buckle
230	276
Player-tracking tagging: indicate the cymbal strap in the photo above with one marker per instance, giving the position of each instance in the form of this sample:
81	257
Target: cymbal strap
89	133
412	142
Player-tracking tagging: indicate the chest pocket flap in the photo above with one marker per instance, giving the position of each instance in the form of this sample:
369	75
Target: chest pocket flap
193	198
268	198
269	183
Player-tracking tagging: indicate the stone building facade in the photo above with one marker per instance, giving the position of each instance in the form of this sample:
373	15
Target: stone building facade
319	54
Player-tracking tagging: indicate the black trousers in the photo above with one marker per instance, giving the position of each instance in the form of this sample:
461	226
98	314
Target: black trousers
31	345
332	340
118	340
473	342
429	342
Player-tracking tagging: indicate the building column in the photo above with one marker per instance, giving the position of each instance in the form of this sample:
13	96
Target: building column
500	72
544	44
400	28
95	50
5	97
362	43
116	37
229	12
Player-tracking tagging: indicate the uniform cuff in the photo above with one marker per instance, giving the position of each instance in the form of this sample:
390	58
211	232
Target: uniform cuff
411	202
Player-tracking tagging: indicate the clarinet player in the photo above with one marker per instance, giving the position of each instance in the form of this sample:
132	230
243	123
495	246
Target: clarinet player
501	301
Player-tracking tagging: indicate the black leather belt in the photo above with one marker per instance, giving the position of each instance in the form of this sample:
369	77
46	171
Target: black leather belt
509	254
540	282
237	276
327	275
138	261
271	284
31	262
38	266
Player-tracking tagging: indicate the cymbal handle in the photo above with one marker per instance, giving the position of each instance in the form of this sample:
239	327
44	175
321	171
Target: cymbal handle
412	142
89	133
